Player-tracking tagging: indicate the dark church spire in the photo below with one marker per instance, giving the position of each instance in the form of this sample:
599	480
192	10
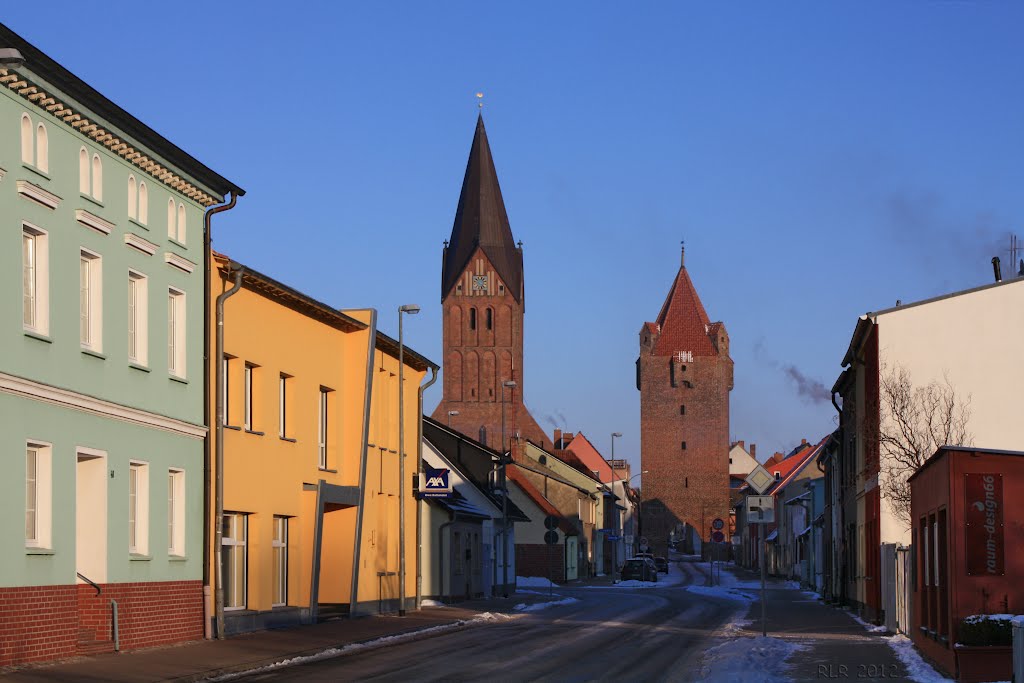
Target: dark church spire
480	220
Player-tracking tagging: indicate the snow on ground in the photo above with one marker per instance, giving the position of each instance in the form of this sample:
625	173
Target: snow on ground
673	578
722	592
917	668
520	591
523	607
431	603
534	582
753	660
866	625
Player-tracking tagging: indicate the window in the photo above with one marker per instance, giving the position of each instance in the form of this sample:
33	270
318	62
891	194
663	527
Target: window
248	396
280	549
233	559
138	317
83	171
35	148
176	332
37	495
138	200
176	513
176	221
683	446
322	438
283	408
34	279
489	316
97	178
90	300
472	318
138	508
226	374
682	410
143	210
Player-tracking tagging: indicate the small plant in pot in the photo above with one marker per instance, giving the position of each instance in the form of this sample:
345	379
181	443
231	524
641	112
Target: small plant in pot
986	629
984	649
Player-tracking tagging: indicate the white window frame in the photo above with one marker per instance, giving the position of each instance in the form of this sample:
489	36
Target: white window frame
282	414
322	431
84	171
181	232
28	146
142	212
176	512
42	155
176	332
138	507
97	178
35	284
90	282
172	220
279	551
138	317
38	494
248	397
226	370
234	543
133	197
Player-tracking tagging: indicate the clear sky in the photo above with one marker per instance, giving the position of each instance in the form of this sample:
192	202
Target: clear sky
820	159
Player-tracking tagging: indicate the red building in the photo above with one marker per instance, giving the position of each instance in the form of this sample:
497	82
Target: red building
684	374
968	544
483	295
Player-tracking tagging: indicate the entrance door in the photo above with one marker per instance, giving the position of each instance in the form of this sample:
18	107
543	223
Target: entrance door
91	516
571	558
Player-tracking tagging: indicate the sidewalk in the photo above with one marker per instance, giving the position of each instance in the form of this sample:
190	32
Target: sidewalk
202	660
831	643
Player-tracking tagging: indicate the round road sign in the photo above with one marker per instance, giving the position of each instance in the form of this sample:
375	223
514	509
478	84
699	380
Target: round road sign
550	522
718	537
551	537
717	524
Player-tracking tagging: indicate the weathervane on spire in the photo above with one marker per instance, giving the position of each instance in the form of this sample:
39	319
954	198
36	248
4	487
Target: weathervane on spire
682	252
480	100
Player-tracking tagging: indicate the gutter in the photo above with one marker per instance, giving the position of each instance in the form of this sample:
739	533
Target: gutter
371	354
419	471
207	257
219	473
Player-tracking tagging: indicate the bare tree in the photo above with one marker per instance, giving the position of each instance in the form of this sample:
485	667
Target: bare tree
915	422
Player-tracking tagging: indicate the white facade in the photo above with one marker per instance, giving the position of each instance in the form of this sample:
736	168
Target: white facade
740	461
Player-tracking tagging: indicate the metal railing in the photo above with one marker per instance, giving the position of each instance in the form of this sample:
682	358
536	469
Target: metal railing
89	581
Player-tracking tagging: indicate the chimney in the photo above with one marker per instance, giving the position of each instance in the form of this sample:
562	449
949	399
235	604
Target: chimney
558	439
996	269
742	444
566	438
753	451
803	442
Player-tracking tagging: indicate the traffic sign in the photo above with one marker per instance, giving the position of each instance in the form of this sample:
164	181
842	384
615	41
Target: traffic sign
760	479
718	537
717	524
761	509
551	537
550	522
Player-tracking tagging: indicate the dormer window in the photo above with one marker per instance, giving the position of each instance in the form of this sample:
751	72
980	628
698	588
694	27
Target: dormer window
778	475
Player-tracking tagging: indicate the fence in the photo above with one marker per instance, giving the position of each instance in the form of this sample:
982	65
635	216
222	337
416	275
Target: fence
897	587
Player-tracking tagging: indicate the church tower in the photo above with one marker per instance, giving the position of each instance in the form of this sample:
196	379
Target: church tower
483	296
684	375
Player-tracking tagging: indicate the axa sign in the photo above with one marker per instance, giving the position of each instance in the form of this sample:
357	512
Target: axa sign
983	523
436	482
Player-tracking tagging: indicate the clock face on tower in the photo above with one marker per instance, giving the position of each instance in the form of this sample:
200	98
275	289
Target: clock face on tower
479	282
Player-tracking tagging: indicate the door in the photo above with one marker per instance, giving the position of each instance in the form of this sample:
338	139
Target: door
571	558
91	516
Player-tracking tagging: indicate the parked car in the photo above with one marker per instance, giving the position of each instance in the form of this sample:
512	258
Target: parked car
662	564
639	569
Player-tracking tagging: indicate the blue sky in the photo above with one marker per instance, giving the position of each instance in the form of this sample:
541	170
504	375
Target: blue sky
820	159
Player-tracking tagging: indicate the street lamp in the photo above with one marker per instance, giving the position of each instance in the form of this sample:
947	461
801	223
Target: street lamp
615	554
451	414
507	384
411	309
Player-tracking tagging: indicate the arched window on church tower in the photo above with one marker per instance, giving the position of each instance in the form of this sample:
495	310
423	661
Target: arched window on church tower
472	318
489	317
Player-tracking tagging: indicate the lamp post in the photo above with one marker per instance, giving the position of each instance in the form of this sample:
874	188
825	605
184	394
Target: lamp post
507	384
411	309
615	544
451	414
639	509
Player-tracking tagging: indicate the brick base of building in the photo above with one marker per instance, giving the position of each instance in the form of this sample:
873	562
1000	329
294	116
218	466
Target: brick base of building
42	623
538	559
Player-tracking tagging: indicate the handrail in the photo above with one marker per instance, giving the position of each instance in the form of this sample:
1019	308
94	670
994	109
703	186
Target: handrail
90	582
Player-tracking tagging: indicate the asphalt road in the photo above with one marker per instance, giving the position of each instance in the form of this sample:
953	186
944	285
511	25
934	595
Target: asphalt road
650	634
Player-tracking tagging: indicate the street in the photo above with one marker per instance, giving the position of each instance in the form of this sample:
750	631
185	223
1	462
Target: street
651	634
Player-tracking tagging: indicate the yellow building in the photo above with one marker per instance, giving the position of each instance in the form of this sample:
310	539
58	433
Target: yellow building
308	461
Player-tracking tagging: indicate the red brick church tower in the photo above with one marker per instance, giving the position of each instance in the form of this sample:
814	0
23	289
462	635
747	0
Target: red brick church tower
684	374
483	296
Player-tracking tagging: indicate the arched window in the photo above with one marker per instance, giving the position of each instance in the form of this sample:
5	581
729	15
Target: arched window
97	178
472	318
483	435
143	203
133	198
489	318
181	223
27	155
42	149
83	171
172	230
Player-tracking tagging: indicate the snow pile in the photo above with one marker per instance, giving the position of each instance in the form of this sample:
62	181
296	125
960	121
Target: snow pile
978	618
431	603
866	625
523	607
917	669
534	582
726	592
483	616
748	660
526	592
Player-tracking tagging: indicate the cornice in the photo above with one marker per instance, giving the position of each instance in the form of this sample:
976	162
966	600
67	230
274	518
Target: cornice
27	89
34	193
91	220
179	262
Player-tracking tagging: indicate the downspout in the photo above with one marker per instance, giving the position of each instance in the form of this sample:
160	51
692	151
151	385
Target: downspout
219	498
371	353
207	257
419	503
440	554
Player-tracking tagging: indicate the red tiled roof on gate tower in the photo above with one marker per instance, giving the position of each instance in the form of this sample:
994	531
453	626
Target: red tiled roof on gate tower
683	323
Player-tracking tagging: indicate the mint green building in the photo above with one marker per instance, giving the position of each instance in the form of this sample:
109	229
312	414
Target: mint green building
102	370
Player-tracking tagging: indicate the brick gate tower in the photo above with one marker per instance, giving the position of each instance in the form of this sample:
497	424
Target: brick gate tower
483	295
684	375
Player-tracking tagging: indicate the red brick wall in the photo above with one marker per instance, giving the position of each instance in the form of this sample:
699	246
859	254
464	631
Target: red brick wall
539	559
690	485
43	622
37	623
